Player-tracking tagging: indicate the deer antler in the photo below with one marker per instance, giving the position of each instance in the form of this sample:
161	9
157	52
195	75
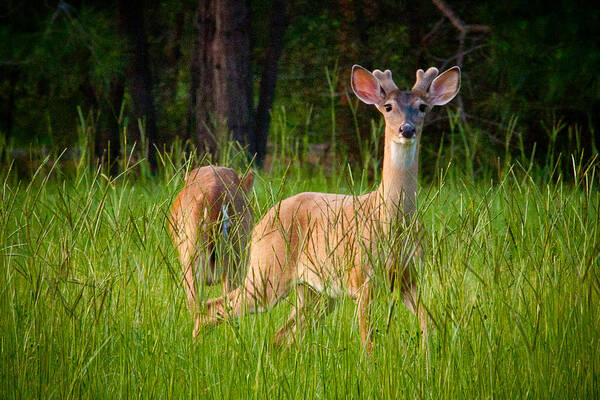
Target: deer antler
385	80
424	80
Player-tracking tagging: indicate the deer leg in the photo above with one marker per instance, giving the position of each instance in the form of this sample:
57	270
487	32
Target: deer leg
306	299
185	239
364	310
184	227
291	324
256	295
185	236
412	302
190	290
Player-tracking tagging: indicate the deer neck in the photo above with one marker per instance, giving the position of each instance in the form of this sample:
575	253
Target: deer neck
397	193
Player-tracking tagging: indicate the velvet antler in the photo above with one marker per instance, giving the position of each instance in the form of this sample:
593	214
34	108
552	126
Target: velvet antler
424	80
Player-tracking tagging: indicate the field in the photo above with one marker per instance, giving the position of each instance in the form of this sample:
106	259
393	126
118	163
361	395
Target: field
91	304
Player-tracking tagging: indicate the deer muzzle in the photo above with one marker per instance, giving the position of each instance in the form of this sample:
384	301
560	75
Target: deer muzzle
407	131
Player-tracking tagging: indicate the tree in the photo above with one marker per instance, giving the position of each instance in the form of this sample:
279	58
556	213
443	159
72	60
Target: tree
277	24
131	19
221	89
108	137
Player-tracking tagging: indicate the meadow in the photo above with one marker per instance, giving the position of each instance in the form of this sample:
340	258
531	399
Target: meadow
92	306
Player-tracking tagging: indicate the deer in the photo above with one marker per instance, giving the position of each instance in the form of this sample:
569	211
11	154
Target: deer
210	223
322	243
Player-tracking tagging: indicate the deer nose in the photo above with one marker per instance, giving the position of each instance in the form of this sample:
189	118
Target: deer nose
407	131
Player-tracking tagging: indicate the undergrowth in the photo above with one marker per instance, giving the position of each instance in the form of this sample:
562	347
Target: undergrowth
92	304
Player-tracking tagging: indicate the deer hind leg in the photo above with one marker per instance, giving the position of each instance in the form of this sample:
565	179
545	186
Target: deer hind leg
185	235
305	308
195	255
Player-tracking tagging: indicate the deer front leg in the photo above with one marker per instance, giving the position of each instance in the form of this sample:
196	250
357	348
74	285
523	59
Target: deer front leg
258	293
306	302
409	290
364	310
287	333
413	303
188	255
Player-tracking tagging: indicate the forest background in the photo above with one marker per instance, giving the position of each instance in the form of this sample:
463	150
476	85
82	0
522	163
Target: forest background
154	72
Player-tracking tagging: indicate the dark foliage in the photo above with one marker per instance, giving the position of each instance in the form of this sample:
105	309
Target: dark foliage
538	62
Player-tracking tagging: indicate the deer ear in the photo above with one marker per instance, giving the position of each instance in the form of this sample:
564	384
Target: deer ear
444	88
246	182
365	86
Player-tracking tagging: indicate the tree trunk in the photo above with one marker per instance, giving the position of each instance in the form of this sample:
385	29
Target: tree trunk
8	103
138	71
222	61
168	81
173	55
108	137
348	41
278	23
201	100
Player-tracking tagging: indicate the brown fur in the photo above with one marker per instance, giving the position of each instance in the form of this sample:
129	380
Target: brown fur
197	227
325	242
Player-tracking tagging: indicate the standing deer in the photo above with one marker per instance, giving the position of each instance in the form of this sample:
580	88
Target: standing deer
211	222
324	242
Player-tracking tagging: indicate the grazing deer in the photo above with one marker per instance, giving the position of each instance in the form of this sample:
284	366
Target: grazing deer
325	242
211	222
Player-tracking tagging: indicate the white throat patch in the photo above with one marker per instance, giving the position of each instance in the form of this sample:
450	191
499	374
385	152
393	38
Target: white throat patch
403	154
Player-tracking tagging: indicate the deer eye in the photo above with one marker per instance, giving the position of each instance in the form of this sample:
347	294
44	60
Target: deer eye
388	107
423	107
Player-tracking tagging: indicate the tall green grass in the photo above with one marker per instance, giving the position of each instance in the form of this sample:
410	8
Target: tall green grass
91	303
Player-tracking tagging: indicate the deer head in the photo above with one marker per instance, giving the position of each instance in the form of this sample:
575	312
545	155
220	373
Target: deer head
404	111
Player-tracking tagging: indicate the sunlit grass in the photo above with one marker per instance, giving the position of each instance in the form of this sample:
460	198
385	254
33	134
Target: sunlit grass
92	306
